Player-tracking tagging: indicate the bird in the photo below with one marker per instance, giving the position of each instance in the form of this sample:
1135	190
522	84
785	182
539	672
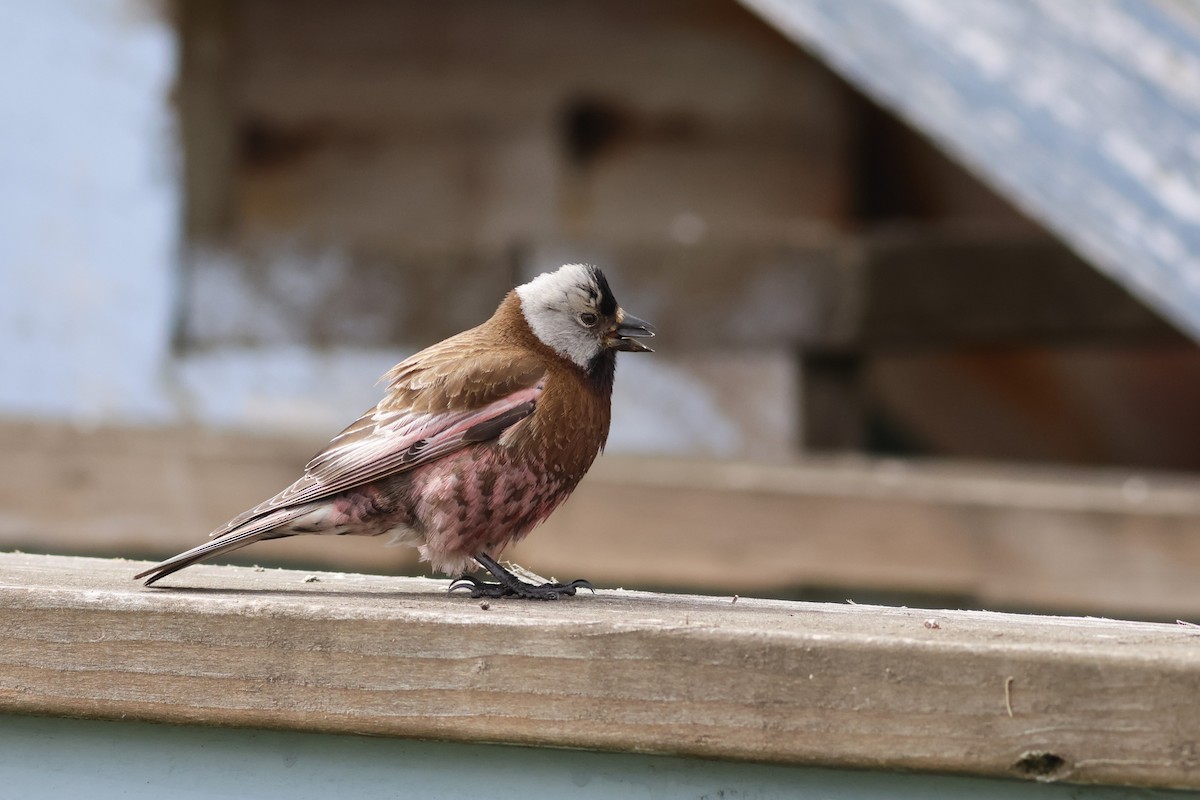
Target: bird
477	440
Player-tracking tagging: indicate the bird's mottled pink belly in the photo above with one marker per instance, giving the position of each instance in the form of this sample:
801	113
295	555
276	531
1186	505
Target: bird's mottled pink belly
480	499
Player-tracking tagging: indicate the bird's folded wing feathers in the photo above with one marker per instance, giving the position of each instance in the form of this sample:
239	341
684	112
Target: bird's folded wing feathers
407	430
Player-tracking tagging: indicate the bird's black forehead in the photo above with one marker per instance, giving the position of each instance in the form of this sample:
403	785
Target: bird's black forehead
605	303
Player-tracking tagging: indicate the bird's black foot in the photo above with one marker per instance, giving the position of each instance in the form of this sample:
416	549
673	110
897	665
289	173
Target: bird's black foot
529	591
509	585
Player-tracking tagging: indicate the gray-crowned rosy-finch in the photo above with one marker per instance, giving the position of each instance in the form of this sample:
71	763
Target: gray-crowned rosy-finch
478	439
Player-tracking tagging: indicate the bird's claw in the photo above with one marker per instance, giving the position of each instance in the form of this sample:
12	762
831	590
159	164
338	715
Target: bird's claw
578	583
477	587
531	591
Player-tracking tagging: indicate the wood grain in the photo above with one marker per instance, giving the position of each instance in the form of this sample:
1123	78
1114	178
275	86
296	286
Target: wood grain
1094	701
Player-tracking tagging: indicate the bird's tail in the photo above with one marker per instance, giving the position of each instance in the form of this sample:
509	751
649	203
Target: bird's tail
269	527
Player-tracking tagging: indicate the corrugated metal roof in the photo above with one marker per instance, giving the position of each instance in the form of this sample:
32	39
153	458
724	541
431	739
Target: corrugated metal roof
1085	113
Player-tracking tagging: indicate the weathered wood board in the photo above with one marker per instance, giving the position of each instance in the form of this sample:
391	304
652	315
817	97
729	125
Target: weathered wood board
1050	698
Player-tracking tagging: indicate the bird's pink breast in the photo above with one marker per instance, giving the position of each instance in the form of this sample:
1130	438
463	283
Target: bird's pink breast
481	499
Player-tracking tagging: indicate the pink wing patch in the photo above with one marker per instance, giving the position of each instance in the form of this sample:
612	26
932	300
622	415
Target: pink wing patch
406	440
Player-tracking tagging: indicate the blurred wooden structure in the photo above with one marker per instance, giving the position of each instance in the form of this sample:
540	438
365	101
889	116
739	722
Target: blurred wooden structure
880	689
363	179
980	536
814	265
1008	278
1076	111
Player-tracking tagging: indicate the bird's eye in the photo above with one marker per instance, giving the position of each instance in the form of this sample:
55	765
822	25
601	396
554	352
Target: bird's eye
588	319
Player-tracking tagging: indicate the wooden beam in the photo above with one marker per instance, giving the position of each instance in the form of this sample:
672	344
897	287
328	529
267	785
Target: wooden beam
1080	700
930	288
1023	538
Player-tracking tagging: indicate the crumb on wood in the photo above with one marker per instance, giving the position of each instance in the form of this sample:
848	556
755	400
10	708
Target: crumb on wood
311	579
933	624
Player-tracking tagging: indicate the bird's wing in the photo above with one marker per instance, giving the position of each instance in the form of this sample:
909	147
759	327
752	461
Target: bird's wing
439	401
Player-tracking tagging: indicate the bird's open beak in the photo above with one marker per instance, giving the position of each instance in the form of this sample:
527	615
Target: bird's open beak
628	331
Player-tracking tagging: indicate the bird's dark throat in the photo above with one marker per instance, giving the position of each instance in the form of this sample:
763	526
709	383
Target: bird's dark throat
601	370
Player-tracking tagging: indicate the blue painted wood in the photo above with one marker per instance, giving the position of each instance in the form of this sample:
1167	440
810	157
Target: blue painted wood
1085	113
59	758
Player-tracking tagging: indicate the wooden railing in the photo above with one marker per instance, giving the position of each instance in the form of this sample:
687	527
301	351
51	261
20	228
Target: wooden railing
988	694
